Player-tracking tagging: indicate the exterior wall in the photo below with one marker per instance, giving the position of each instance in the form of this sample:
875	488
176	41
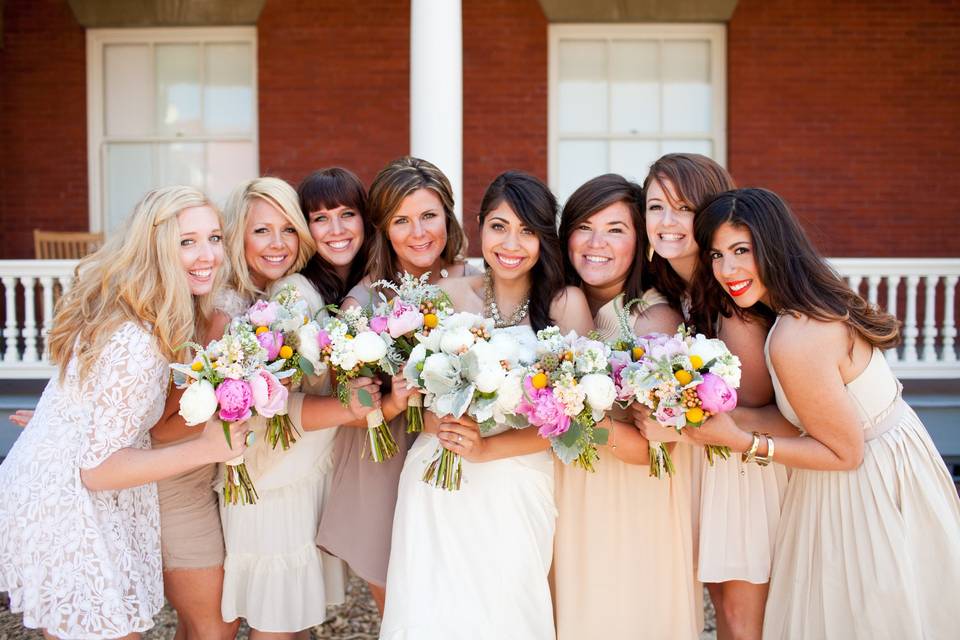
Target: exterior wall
43	124
849	110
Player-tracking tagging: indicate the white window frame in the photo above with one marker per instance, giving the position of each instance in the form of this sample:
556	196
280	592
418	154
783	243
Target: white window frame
716	34
97	39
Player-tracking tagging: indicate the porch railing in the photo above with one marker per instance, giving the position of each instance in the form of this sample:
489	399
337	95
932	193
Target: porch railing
921	292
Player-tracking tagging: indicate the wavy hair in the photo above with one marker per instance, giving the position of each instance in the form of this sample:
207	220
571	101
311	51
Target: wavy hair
329	189
281	196
536	207
395	182
136	277
797	278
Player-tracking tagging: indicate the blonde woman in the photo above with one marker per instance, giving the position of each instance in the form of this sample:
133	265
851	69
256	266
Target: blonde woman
274	575
79	516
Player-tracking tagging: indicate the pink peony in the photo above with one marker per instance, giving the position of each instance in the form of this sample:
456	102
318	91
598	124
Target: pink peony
617	365
323	339
378	324
663	346
715	395
670	416
404	318
271	341
269	395
235	398
263	313
543	410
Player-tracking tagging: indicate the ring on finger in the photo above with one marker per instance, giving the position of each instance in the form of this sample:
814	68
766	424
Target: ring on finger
459	438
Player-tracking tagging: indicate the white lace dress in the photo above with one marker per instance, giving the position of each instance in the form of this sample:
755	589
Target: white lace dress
79	563
473	563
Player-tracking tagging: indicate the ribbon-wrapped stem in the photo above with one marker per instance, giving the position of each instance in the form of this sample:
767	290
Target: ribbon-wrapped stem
415	413
382	445
660	461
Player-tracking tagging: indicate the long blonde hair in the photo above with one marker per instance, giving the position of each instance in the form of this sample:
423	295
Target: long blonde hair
136	277
281	196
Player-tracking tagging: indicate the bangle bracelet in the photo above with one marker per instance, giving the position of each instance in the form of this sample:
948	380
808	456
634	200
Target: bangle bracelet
748	455
767	459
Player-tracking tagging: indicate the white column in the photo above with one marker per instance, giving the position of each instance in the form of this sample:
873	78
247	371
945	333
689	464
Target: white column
436	88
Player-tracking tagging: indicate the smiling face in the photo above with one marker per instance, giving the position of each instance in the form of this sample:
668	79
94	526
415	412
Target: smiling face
602	247
509	246
735	267
418	231
201	247
669	222
338	234
270	243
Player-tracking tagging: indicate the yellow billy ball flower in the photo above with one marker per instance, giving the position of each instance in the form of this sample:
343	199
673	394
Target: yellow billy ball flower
285	352
539	380
696	362
430	320
262	330
683	376
637	352
197	365
695	415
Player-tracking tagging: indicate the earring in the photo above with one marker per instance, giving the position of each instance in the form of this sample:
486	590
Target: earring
649	252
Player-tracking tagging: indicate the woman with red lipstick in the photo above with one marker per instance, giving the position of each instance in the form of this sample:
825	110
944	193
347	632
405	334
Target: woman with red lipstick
608	584
869	541
415	230
736	506
474	562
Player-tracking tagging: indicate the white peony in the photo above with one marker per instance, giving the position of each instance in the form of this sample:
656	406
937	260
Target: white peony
708	349
198	403
600	392
506	347
457	340
509	394
369	347
307	344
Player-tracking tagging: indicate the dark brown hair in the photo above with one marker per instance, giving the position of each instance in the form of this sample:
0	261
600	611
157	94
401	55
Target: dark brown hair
695	179
536	207
796	276
395	182
595	195
329	189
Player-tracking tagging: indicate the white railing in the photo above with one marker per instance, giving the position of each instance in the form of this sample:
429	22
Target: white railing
920	291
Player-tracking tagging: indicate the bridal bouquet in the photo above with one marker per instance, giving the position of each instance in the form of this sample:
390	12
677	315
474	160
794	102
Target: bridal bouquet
566	392
415	308
230	377
278	324
461	369
352	346
684	379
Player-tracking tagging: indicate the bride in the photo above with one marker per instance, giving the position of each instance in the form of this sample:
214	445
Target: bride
474	562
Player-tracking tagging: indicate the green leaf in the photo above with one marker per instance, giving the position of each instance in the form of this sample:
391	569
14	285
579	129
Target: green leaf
307	367
365	398
226	432
601	436
572	435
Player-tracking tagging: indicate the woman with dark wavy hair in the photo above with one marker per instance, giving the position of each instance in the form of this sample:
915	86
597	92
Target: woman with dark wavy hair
475	562
869	541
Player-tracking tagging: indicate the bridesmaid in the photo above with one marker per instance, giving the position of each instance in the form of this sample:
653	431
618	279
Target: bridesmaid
737	505
88	564
869	544
415	230
477	559
607	582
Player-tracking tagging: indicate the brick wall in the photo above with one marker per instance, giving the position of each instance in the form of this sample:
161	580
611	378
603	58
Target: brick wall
851	111
43	124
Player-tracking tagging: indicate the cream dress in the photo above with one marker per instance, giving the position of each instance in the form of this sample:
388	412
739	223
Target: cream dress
873	552
274	574
473	563
623	556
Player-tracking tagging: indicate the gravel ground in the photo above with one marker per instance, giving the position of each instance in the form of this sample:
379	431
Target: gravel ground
356	619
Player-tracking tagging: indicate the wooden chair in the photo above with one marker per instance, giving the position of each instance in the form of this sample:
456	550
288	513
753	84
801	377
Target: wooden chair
64	245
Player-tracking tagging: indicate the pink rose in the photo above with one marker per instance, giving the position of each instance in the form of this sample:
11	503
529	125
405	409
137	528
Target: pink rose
378	324
323	339
271	341
715	395
543	410
269	396
670	416
235	398
404	318
263	313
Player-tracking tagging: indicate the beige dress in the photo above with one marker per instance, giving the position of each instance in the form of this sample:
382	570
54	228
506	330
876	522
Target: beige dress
873	552
623	554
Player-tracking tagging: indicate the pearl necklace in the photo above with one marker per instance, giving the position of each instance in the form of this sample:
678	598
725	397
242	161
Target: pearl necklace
491	310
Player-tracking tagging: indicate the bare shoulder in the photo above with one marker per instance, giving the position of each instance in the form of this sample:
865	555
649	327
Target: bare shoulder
658	318
569	311
800	338
465	292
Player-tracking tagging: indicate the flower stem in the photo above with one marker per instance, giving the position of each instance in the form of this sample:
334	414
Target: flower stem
715	451
280	430
660	461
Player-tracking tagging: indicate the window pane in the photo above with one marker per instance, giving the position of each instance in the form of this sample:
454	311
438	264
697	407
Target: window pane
579	161
178	89
128	90
632	159
583	86
703	147
687	97
228	92
129	170
180	163
635	87
229	164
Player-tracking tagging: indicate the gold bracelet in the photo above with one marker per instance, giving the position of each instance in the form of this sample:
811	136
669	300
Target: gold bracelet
767	459
748	455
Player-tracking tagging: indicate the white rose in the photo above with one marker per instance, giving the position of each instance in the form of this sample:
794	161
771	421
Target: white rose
600	392
307	345
456	341
369	347
708	349
198	403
